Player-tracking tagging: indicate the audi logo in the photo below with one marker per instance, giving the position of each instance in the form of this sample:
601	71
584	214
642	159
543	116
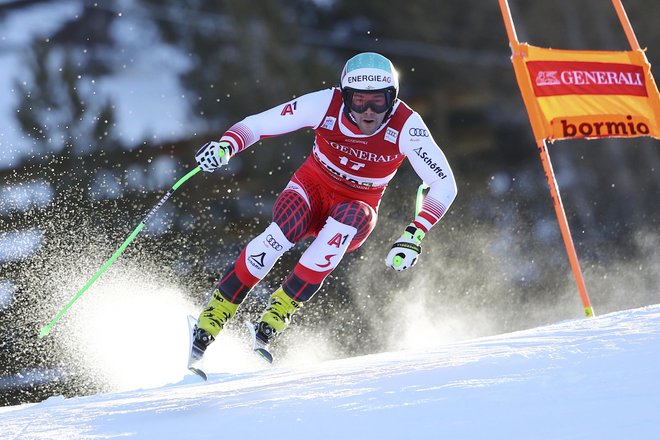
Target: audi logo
273	243
421	132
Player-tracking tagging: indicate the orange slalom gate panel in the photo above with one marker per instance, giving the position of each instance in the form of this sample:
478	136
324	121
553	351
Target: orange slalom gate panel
587	94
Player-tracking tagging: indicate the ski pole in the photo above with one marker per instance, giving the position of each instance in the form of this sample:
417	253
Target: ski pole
47	328
419	201
420	198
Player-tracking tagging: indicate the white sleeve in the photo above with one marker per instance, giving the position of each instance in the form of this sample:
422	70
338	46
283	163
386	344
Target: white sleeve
430	164
306	111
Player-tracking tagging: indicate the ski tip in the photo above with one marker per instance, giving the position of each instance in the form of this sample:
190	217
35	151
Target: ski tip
264	354
260	350
199	372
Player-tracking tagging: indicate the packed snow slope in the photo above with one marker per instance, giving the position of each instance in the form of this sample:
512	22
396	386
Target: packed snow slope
582	379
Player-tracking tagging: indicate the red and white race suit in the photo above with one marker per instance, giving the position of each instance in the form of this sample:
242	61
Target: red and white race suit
335	194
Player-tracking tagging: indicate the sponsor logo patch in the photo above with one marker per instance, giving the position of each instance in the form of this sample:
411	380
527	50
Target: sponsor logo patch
430	162
376	78
289	108
418	132
257	260
329	123
553	78
363	155
327	258
391	135
547	78
602	127
273	243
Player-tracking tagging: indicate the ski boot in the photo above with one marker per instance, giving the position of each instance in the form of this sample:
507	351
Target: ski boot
203	332
201	340
274	320
214	317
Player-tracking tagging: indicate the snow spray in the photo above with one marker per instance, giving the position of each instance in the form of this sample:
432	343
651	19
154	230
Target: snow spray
45	330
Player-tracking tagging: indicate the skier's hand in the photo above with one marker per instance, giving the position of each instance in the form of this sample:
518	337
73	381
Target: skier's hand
406	249
213	155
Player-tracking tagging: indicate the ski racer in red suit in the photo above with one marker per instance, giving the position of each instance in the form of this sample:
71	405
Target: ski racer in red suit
362	135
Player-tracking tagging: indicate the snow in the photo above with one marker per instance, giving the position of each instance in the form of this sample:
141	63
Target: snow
578	379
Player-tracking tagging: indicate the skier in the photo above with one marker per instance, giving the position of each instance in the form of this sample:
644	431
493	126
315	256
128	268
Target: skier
363	132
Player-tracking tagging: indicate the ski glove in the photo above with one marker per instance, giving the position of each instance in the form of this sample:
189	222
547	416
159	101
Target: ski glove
406	249
213	155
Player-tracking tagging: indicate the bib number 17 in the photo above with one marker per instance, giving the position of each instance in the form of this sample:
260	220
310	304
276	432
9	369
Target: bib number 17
353	164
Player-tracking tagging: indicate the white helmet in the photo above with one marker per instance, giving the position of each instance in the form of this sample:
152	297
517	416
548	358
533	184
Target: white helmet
369	72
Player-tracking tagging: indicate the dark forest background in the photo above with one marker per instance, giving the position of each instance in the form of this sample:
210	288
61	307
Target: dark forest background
495	263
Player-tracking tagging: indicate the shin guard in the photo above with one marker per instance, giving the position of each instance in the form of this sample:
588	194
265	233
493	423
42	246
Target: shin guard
320	258
264	250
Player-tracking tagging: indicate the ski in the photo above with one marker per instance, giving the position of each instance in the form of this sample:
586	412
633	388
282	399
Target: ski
195	357
258	345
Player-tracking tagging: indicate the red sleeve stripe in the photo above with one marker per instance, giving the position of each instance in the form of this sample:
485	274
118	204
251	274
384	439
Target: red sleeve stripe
431	212
425	221
428	217
434	208
235	141
242	135
423	225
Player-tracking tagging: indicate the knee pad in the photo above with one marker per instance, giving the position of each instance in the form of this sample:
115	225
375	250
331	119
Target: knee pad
265	249
329	247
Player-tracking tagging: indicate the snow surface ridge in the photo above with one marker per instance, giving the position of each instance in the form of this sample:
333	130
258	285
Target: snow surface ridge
586	378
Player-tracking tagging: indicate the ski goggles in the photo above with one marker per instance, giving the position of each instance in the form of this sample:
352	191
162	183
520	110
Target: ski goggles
379	101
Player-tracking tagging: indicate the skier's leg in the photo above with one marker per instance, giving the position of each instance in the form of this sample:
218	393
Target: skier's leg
292	212
254	262
359	215
290	223
348	226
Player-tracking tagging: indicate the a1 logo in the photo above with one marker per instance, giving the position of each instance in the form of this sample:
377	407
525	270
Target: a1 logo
289	108
337	240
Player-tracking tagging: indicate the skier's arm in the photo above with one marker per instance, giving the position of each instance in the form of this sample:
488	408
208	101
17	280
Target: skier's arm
430	164
305	111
